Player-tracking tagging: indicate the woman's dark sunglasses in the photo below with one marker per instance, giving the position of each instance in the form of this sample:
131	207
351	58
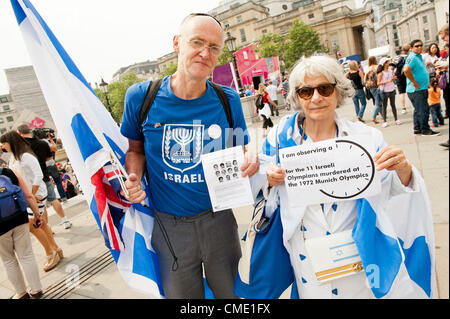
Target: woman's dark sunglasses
307	92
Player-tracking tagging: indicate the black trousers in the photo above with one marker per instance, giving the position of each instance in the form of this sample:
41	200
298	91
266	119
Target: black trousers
206	242
447	100
391	97
267	122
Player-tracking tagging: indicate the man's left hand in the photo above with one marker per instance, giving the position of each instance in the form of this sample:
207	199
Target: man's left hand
250	165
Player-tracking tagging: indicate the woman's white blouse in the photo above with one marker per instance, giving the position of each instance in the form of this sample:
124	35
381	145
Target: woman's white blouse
318	221
29	169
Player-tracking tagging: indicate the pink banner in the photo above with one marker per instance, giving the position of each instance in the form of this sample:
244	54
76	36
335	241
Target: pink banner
254	70
37	123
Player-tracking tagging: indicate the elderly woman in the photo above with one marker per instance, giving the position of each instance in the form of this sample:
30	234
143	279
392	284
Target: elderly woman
317	87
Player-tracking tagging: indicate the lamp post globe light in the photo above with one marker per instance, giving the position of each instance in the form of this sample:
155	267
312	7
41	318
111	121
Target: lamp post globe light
104	87
230	42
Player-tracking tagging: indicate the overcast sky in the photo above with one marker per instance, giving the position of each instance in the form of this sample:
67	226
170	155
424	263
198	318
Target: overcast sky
101	36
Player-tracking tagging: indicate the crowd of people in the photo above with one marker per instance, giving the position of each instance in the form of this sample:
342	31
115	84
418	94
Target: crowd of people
33	170
420	74
202	242
380	83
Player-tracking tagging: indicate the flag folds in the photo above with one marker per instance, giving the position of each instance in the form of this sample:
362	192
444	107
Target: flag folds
393	230
96	149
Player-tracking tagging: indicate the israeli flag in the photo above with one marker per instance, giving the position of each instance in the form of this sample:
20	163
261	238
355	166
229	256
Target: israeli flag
93	143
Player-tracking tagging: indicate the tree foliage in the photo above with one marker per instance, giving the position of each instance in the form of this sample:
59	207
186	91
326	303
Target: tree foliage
226	57
272	44
171	69
116	94
302	40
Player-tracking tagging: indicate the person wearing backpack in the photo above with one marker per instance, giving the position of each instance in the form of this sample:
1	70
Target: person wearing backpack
15	241
25	162
357	77
401	78
262	107
189	116
372	85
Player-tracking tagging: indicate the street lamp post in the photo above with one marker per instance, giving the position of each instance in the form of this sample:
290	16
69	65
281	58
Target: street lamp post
230	42
104	87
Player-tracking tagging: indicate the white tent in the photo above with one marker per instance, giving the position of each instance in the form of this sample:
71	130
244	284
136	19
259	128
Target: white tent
380	51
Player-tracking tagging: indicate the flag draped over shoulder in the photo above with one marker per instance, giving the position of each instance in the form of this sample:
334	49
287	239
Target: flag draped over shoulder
393	230
90	137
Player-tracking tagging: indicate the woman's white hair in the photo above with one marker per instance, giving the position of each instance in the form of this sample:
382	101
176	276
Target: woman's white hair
314	66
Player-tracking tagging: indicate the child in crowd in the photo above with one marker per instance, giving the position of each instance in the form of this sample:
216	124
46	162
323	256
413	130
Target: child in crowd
434	101
386	85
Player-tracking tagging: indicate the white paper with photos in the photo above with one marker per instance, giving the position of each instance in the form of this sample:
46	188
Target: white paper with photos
227	188
330	171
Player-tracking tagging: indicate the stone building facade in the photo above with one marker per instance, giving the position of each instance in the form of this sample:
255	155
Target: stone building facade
148	70
399	22
27	95
341	27
166	60
441	8
8	113
241	20
418	21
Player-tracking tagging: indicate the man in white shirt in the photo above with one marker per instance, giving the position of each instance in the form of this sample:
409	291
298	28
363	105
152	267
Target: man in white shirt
273	93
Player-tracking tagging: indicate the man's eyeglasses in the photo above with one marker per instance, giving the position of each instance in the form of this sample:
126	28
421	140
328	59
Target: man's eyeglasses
418	46
307	92
200	45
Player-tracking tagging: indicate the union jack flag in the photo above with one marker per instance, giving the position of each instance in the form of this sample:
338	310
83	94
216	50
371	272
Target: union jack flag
92	139
110	204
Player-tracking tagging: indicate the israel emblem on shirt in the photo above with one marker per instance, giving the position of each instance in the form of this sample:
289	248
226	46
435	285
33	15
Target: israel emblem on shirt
182	145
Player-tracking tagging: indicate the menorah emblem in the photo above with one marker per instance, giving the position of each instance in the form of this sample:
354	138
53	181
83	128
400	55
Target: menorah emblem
183	137
182	144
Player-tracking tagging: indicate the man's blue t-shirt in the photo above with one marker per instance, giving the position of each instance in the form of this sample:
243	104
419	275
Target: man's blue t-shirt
177	132
419	72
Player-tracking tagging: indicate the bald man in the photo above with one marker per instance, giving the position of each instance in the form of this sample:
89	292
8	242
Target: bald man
187	119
